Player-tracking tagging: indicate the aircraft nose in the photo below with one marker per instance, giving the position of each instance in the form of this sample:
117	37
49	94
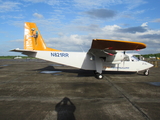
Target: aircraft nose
150	65
147	65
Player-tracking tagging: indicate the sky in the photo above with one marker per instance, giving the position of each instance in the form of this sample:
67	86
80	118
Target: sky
70	25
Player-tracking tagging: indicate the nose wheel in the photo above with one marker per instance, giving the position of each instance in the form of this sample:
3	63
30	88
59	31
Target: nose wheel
146	72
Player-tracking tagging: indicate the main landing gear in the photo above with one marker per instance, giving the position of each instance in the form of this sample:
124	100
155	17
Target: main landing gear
99	67
98	75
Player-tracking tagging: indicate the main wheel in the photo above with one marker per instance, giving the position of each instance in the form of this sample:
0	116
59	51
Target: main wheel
146	72
99	76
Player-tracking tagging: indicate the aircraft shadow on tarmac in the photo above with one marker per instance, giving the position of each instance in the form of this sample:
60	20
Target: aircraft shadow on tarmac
80	72
54	71
65	109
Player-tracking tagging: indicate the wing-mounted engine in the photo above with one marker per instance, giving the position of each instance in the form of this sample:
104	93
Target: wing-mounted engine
108	55
118	58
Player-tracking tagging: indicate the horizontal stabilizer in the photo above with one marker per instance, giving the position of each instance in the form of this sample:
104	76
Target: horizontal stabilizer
22	50
30	53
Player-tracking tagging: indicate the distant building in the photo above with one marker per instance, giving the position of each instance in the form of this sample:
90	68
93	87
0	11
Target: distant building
17	57
152	57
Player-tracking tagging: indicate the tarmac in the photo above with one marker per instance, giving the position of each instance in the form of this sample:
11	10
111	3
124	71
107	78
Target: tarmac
41	90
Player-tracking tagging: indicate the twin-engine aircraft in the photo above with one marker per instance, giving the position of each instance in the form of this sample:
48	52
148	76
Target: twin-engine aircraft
104	54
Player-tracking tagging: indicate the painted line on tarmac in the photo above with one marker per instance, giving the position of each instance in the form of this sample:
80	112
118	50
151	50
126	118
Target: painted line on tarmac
109	79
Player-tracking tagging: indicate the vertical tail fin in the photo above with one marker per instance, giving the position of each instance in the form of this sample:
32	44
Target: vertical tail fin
33	39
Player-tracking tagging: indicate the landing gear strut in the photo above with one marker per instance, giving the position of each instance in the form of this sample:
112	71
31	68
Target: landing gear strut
99	67
146	72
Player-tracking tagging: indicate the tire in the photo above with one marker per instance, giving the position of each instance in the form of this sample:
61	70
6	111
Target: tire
146	72
99	76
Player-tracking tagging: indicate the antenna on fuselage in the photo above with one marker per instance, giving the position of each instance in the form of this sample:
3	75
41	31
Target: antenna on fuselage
81	48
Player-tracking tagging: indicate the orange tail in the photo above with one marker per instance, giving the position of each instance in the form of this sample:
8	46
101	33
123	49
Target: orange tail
33	39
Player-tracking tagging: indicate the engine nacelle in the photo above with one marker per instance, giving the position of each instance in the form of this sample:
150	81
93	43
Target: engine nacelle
115	58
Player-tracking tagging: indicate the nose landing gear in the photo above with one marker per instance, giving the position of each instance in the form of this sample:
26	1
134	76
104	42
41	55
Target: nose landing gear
146	72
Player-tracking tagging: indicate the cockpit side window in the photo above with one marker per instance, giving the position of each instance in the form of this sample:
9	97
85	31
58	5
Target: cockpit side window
126	58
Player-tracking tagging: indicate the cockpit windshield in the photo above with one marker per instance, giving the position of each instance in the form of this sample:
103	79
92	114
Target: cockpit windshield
134	59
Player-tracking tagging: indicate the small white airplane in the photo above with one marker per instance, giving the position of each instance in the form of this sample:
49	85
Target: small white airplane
104	54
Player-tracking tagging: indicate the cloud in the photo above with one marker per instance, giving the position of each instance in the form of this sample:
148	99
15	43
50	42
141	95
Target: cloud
35	1
156	20
49	2
9	6
18	40
144	24
101	13
151	36
131	4
132	29
89	28
11	17
38	15
143	28
73	42
88	4
139	12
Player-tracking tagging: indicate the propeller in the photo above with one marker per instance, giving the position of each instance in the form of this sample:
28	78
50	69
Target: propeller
124	52
124	58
